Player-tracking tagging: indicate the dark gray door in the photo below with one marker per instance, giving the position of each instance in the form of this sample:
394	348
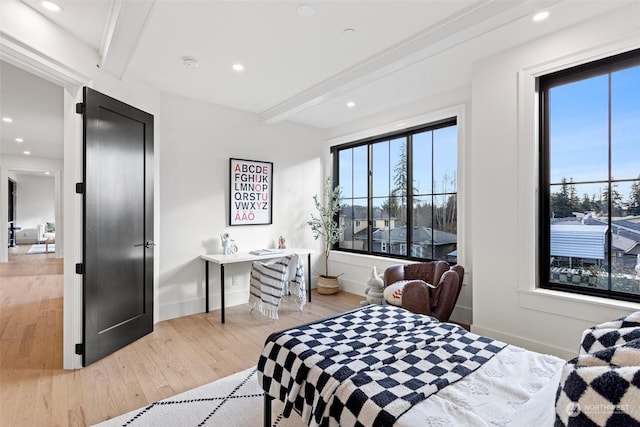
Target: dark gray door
118	225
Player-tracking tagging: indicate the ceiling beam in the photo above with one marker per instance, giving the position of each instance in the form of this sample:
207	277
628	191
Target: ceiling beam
123	32
473	21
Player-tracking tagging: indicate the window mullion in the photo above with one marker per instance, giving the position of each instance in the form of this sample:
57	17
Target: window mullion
610	186
409	184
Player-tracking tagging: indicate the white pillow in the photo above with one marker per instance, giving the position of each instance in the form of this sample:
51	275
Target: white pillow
393	293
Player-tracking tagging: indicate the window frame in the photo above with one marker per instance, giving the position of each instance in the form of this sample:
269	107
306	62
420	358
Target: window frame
544	83
449	120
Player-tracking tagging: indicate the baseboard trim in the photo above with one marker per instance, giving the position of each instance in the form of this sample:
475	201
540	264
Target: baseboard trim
525	343
176	309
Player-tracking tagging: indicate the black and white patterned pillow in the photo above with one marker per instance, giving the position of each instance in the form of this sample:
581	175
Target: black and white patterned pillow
601	387
610	334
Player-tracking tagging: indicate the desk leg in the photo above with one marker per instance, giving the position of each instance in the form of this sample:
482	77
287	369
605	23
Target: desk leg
222	293
206	286
309	281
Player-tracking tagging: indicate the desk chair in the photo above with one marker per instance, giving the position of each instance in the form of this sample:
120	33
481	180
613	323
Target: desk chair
271	282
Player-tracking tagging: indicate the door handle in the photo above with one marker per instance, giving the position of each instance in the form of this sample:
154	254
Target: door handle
147	245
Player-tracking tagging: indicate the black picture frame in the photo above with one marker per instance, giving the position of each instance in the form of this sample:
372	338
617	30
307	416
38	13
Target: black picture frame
250	192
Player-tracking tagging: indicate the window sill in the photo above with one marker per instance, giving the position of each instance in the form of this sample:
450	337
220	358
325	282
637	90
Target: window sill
583	307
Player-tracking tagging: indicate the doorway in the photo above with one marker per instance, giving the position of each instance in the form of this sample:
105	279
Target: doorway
32	158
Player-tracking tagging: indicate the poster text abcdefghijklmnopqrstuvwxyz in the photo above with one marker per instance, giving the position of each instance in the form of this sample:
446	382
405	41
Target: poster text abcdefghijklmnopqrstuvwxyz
251	190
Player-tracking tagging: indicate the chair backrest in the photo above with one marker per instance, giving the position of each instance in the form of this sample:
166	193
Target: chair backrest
292	267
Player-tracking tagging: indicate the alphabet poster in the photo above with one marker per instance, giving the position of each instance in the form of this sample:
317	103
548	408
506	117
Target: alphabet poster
251	192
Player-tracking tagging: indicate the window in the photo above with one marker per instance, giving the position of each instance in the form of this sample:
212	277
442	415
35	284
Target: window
402	188
590	178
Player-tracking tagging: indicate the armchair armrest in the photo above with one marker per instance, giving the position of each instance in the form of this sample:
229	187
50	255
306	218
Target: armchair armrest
445	295
416	297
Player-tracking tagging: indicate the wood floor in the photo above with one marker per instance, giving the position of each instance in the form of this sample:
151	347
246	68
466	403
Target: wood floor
179	355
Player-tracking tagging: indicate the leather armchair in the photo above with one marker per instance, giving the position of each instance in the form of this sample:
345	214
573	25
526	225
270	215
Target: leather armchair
431	288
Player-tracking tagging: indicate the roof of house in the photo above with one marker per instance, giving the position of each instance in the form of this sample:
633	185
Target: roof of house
423	235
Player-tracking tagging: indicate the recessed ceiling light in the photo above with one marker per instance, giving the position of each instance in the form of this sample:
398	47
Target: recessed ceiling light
51	6
351	104
238	67
190	62
27	152
7	119
19	140
348	31
306	10
541	16
47	173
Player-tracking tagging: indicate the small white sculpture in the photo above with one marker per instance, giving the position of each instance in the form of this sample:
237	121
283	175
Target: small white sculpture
281	243
228	244
375	286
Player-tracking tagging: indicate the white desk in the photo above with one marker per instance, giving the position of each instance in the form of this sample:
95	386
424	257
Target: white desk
221	260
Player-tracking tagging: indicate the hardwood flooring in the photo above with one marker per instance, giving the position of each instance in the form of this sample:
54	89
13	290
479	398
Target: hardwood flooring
179	355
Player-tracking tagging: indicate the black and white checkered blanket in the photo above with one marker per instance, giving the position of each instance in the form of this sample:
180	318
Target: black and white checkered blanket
369	366
601	387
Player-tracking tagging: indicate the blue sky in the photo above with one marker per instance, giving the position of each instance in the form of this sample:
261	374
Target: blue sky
386	155
579	130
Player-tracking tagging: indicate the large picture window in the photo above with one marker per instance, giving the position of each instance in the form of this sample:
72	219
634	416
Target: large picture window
400	193
590	178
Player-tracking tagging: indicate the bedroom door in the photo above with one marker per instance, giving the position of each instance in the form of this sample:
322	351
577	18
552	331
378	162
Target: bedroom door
118	225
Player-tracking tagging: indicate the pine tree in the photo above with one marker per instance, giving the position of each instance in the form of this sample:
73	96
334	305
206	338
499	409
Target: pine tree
560	201
633	208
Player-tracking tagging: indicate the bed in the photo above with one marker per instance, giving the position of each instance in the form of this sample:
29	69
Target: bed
381	365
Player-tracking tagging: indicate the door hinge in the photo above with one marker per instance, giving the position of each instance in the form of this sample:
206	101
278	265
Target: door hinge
80	187
79	268
80	108
80	348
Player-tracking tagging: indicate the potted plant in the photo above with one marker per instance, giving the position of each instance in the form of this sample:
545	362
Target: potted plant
324	225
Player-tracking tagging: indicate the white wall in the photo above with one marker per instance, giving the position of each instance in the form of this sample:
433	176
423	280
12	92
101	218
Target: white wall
35	204
503	196
197	141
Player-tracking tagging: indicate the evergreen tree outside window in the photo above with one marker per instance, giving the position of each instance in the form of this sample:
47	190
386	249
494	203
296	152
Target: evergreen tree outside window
590	178
400	193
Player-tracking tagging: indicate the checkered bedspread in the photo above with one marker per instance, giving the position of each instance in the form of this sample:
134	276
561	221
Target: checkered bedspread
369	366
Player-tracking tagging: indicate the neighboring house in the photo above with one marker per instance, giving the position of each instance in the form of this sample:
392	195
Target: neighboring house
428	243
585	238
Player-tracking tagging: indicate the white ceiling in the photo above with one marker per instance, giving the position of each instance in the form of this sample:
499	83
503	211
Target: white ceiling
35	105
297	68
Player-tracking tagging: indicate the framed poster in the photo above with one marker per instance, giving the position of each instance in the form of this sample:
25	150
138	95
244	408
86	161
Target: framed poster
251	192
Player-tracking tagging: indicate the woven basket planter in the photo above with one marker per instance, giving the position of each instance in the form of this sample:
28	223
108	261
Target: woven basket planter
328	285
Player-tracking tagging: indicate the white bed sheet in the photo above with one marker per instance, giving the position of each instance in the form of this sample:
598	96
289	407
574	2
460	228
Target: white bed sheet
516	387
